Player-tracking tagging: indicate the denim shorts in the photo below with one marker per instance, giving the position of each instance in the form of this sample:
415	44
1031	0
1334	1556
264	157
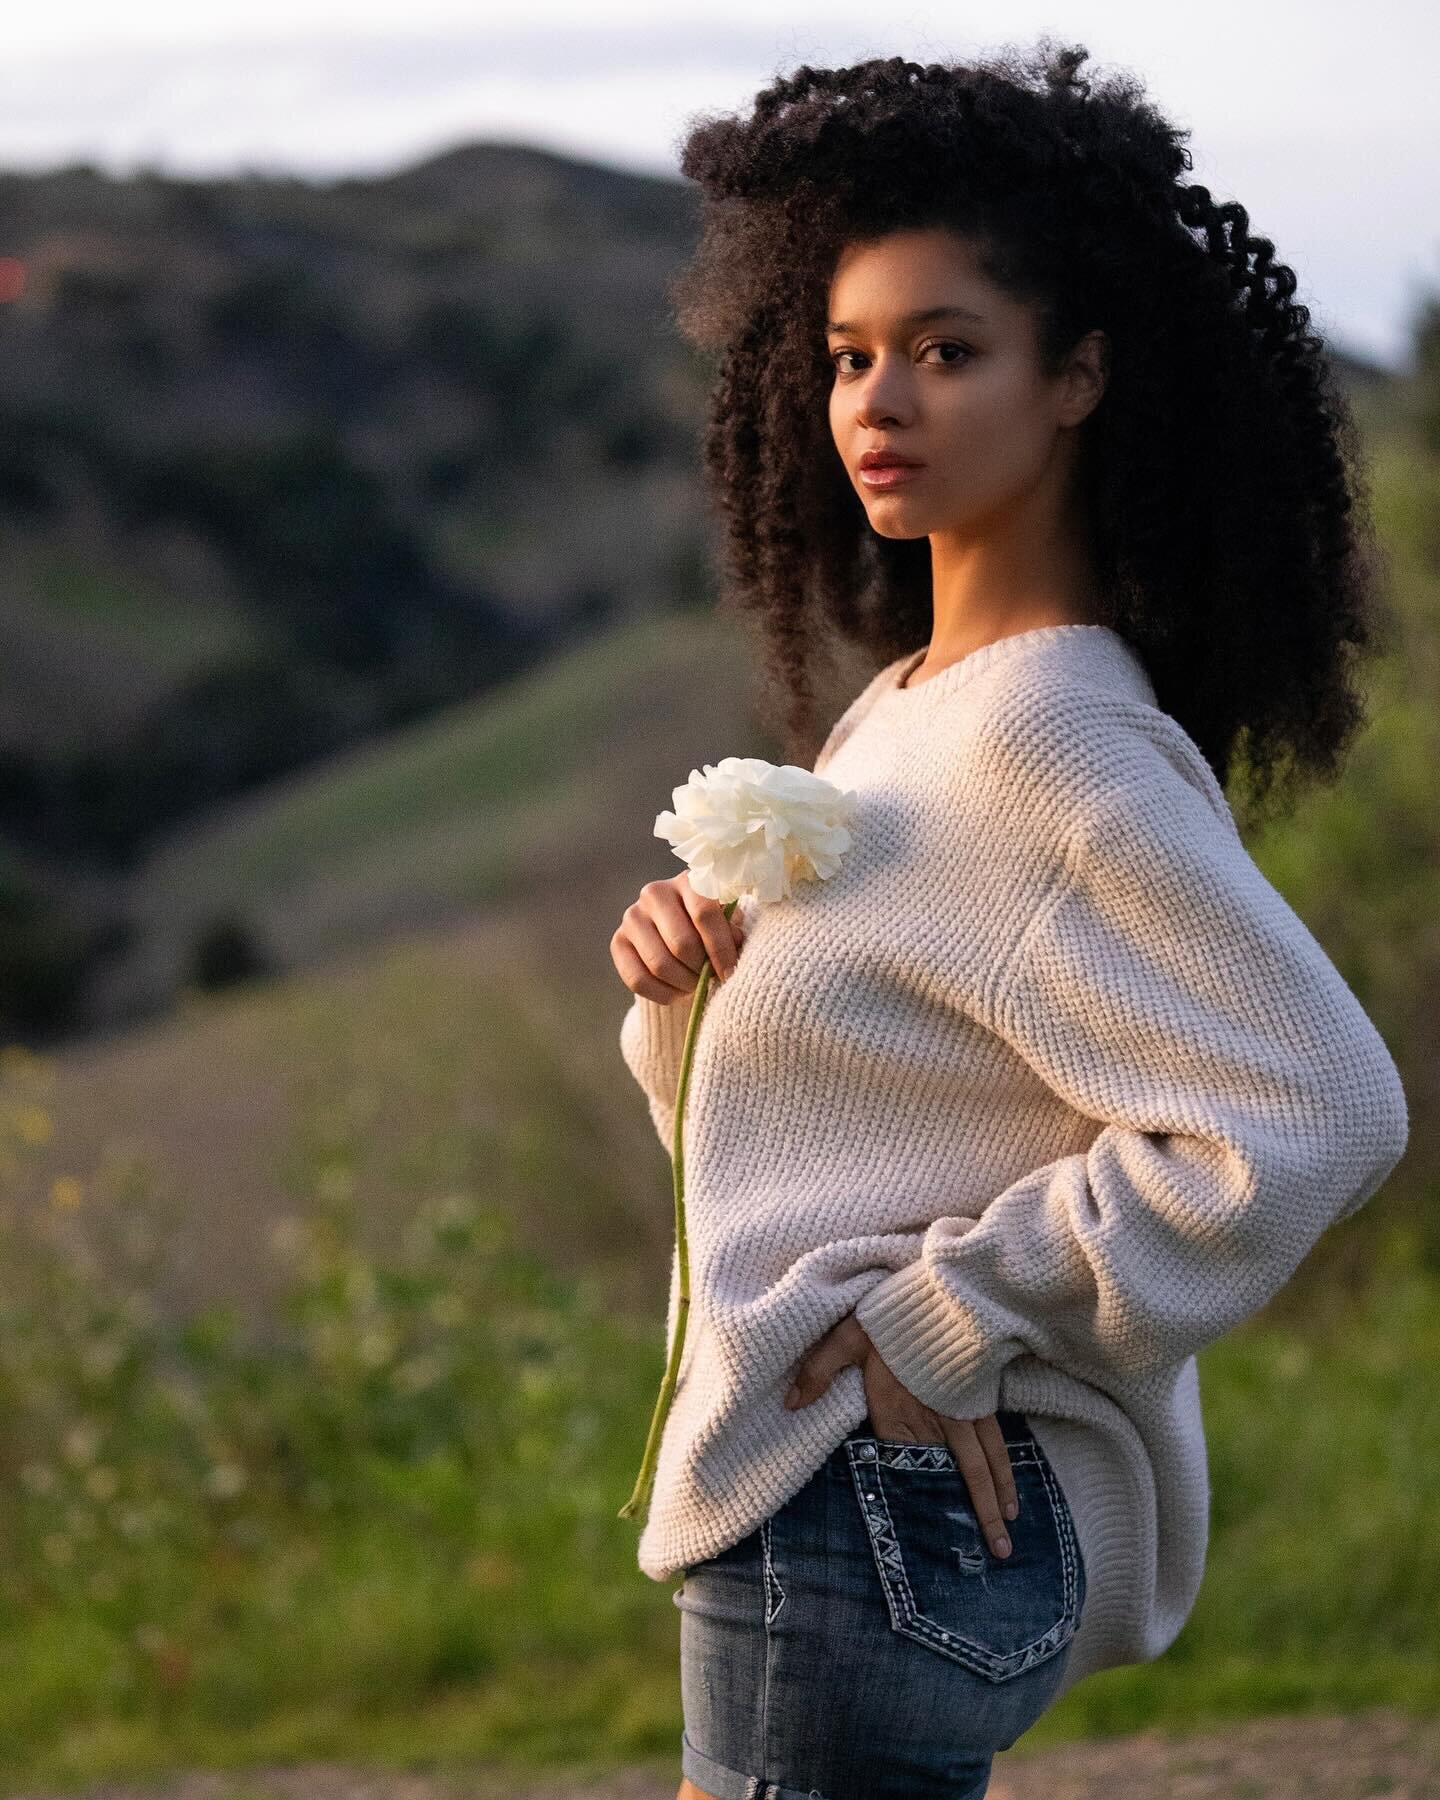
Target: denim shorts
865	1642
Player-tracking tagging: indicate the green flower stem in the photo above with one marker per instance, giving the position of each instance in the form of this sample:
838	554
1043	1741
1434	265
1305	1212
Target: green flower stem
639	1499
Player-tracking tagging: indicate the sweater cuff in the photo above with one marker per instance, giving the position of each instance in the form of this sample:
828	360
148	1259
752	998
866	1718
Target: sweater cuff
653	1042
928	1344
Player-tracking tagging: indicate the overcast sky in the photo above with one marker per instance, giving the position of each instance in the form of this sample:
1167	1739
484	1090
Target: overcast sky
1320	117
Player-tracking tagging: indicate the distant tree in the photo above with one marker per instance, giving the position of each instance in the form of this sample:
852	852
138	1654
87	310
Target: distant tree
225	952
592	608
1426	335
310	530
46	956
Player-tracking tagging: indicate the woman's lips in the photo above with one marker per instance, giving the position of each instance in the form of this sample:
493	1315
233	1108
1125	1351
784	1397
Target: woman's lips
888	475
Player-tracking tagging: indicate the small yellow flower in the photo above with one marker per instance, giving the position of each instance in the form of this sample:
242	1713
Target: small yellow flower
287	1234
19	1061
66	1192
225	1480
39	1478
82	1441
34	1124
335	1182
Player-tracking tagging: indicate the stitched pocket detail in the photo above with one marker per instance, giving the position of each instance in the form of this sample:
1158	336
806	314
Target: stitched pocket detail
943	1585
774	1593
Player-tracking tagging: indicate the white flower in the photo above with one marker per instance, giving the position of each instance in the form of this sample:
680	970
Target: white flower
750	827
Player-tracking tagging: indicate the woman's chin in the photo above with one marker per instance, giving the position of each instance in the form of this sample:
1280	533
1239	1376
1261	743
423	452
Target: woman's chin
892	518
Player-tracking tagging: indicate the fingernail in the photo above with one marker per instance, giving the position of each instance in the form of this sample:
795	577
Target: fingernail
1011	1508
1002	1546
792	1396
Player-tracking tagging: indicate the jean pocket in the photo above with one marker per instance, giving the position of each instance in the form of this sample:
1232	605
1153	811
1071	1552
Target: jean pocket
997	1615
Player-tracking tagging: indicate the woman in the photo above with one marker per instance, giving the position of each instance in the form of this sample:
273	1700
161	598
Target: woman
1047	1087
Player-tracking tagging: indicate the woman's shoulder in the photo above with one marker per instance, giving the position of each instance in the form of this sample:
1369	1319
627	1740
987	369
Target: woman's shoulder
1051	744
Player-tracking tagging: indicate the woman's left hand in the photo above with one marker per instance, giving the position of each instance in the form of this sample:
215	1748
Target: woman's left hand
978	1445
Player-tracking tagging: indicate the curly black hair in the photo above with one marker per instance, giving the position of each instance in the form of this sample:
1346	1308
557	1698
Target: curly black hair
1220	469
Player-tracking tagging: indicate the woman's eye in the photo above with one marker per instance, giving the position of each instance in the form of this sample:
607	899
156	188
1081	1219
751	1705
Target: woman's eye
961	352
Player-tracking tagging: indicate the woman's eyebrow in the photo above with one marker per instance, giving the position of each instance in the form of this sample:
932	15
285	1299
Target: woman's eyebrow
924	317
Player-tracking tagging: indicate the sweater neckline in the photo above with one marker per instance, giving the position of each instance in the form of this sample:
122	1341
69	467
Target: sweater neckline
974	662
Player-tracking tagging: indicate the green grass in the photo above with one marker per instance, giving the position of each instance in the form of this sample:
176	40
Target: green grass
385	1527
385	1531
1324	1558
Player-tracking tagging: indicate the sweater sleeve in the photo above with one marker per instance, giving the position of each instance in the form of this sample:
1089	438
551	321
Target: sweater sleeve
652	1042
1245	1101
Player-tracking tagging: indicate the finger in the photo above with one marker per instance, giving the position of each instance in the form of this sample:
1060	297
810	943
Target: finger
997	1451
686	923
708	917
975	1466
660	931
636	972
894	1410
901	1429
838	1349
667	905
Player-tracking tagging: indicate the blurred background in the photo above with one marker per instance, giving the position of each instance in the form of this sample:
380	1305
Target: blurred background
357	617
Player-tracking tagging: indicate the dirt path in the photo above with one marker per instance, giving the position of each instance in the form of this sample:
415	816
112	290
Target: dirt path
1373	1754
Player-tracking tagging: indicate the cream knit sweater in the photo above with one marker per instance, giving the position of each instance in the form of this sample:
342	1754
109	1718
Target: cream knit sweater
1047	1084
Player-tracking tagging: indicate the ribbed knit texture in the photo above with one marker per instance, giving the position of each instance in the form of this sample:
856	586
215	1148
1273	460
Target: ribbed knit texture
1048	1084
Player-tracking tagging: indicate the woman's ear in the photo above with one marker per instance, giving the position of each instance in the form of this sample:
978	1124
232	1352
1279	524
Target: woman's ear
1086	373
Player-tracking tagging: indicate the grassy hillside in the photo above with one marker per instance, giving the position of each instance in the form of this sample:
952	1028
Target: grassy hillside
553	782
480	1055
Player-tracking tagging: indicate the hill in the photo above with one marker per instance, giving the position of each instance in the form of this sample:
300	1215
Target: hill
287	465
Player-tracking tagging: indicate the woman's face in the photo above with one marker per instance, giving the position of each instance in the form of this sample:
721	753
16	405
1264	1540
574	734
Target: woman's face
936	363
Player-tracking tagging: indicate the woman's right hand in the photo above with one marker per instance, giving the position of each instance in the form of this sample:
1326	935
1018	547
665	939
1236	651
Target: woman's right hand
664	936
